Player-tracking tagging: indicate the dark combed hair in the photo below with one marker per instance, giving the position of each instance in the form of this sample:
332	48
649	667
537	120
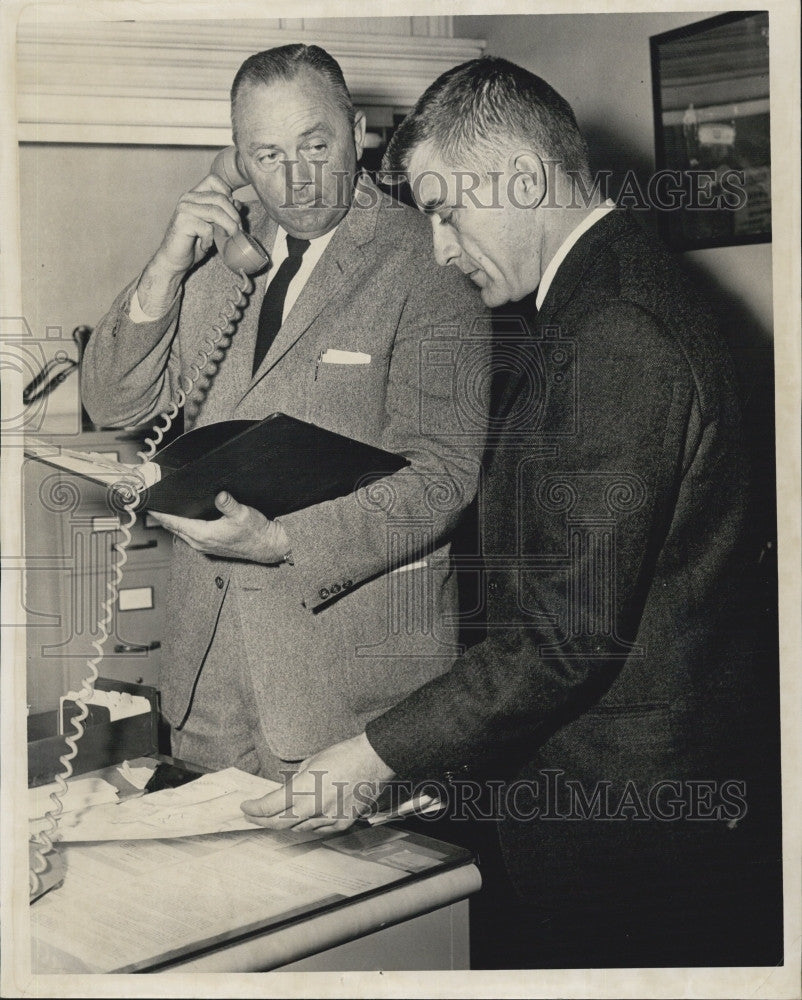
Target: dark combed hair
284	63
476	110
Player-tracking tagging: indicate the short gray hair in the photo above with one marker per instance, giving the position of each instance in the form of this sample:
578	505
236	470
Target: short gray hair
284	63
473	111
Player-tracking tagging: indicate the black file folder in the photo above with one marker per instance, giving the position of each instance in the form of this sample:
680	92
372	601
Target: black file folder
277	465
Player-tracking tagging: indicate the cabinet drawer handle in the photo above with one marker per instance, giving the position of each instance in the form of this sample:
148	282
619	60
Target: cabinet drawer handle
129	647
151	543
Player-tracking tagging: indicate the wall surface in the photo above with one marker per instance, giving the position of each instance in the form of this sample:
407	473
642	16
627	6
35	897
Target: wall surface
91	218
600	63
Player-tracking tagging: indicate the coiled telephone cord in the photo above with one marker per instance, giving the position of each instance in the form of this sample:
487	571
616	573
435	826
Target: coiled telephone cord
125	495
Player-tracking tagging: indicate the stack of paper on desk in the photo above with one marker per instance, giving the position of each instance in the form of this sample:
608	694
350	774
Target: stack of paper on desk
127	904
93	465
210	804
143	890
82	793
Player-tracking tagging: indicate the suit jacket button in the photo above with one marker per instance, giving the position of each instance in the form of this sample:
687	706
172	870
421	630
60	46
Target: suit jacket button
493	587
219	582
336	588
324	593
348	583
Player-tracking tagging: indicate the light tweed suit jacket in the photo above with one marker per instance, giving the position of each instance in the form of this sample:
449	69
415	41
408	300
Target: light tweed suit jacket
366	613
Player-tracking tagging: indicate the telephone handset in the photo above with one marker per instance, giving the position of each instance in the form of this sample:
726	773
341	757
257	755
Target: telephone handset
239	252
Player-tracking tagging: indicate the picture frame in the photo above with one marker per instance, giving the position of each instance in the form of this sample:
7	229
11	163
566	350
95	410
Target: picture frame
710	85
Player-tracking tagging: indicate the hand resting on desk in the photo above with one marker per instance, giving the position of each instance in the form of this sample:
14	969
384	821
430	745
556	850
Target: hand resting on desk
330	792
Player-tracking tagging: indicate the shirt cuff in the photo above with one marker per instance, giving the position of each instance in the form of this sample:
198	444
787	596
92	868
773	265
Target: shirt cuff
137	314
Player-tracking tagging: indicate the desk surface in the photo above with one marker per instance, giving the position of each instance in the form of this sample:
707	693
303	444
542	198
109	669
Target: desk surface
237	901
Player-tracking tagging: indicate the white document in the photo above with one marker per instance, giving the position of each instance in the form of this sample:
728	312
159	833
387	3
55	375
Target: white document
93	465
121	704
125	904
136	776
209	804
82	793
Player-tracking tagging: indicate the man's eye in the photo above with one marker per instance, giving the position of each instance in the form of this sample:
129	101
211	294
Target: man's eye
267	158
318	149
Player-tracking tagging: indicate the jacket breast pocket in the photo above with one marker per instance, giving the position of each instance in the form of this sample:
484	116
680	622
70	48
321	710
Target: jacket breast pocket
350	398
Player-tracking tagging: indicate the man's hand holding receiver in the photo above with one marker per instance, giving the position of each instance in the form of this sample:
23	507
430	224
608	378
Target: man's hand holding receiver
187	239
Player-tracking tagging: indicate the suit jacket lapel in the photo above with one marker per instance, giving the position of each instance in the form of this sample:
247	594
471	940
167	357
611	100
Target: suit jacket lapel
611	227
335	272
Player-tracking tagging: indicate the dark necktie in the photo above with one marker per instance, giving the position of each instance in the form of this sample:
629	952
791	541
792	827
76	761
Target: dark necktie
273	302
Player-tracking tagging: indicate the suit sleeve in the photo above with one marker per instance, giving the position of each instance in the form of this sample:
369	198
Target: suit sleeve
129	372
436	414
569	573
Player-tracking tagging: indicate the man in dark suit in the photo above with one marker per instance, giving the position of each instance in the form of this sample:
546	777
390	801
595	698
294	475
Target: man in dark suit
617	701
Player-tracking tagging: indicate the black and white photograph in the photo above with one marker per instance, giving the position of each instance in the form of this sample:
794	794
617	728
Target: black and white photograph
712	115
401	499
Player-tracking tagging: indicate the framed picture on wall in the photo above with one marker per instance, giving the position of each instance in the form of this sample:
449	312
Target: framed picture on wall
711	124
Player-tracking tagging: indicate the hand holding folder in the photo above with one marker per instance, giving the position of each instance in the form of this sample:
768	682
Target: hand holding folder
241	533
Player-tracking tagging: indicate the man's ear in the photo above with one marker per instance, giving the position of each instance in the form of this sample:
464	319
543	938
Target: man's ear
530	177
359	133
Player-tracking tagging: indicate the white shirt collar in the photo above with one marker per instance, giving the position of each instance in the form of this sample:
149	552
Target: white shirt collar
311	256
568	243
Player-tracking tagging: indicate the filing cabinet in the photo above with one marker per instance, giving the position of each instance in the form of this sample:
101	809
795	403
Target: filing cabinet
71	527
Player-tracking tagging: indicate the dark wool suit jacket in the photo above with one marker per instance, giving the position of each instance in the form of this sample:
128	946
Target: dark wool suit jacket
616	658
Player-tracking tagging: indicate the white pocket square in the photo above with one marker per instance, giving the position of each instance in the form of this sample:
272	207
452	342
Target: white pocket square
332	356
418	564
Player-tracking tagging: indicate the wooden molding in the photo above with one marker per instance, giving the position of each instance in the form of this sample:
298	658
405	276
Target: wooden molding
167	82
